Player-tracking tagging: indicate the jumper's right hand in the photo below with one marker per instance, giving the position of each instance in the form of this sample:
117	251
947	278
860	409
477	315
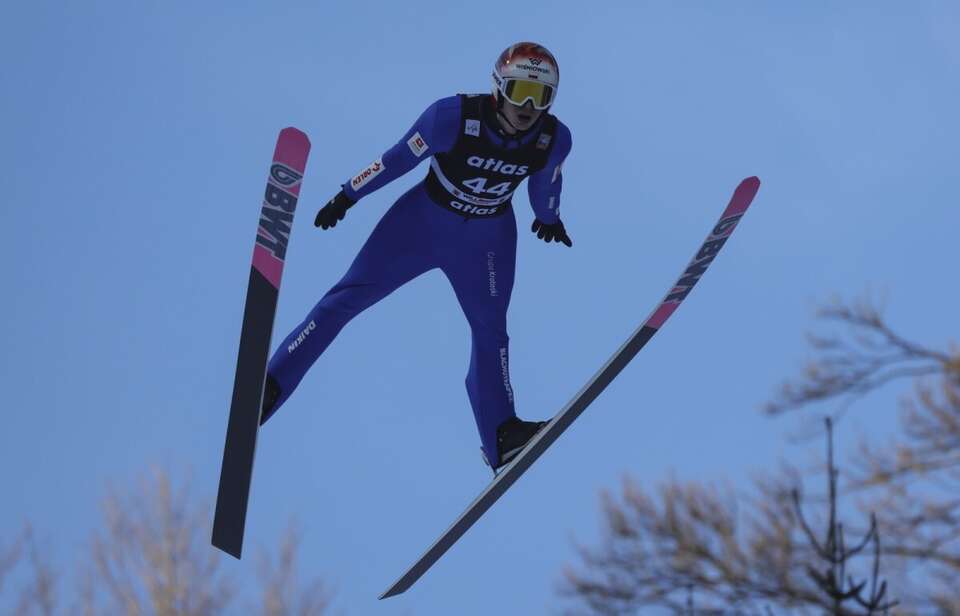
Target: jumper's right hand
551	233
334	210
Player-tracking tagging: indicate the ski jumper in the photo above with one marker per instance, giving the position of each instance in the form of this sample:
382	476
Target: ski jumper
459	219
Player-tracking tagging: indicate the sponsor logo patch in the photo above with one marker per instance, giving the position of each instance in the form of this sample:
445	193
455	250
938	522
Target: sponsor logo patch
704	257
417	145
492	272
284	175
312	325
472	127
534	68
363	178
276	213
467	208
505	371
495	164
544	141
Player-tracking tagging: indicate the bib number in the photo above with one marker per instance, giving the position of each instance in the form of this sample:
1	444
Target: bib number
479	187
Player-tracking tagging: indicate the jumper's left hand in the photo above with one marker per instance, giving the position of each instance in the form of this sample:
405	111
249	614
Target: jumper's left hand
334	210
551	233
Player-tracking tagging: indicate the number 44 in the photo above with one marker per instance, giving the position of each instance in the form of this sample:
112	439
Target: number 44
478	186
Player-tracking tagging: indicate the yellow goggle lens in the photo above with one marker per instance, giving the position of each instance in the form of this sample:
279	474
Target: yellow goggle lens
518	91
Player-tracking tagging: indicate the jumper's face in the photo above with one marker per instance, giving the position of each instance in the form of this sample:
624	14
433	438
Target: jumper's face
522	117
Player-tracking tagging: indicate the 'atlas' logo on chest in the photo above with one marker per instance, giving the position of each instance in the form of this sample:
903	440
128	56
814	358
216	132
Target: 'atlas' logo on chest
497	165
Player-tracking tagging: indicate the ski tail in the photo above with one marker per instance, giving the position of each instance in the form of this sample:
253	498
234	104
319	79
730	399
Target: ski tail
269	255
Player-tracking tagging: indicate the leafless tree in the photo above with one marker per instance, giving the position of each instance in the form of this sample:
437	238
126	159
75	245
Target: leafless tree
911	481
281	597
696	552
37	595
746	554
864	356
10	556
834	579
152	556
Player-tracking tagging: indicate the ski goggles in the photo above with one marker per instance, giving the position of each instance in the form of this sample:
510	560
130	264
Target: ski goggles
519	91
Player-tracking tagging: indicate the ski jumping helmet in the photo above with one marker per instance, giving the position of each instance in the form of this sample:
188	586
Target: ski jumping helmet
526	71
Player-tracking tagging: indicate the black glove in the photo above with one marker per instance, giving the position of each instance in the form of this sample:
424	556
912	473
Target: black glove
551	233
334	210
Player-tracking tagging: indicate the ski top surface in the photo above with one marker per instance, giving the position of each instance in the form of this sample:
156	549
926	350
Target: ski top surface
269	253
742	197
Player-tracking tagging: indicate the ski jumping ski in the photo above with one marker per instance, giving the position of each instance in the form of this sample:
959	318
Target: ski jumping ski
269	252
742	197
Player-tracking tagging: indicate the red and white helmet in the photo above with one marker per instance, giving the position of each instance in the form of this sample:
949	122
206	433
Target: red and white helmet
526	71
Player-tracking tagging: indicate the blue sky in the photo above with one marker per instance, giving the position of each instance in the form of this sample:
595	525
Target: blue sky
136	139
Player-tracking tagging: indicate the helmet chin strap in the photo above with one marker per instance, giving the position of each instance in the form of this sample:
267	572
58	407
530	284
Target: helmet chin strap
503	116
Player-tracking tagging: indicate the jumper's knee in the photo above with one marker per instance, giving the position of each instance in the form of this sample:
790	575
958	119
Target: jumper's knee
346	302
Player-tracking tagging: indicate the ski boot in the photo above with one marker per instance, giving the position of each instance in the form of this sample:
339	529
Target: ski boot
512	436
271	393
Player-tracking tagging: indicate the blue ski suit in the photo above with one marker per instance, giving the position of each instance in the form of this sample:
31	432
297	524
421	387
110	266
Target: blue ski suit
458	219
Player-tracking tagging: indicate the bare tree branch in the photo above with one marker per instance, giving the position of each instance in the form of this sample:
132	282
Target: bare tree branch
10	556
870	356
693	539
152	556
653	553
38	593
282	596
912	480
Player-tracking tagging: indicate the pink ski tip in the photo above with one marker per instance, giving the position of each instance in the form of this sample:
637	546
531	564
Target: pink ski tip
750	183
292	132
743	196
